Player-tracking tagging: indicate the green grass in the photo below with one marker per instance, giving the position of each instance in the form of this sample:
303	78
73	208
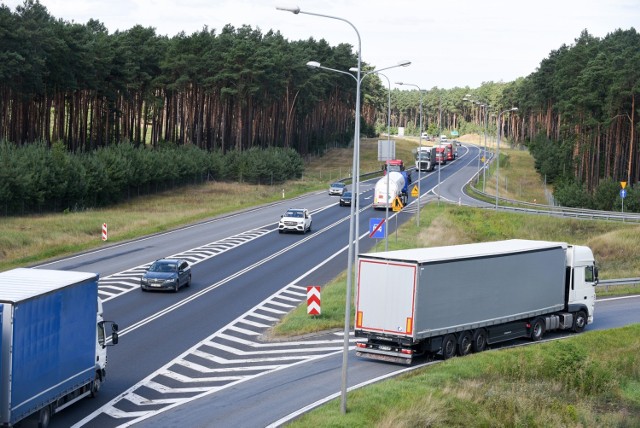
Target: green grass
589	380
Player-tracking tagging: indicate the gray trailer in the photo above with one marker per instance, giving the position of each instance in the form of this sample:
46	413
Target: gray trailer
460	299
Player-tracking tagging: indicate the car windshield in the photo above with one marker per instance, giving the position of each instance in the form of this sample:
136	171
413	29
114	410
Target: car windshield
347	194
338	185
163	267
294	214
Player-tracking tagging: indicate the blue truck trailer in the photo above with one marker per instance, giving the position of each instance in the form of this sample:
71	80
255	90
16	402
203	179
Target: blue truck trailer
53	342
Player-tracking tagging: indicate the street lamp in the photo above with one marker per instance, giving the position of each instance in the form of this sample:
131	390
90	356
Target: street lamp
315	64
386	211
483	107
352	221
354	213
498	152
466	98
419	150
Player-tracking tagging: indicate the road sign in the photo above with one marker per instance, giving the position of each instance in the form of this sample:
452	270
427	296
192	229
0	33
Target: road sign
376	228
623	184
414	191
454	133
397	204
313	300
623	193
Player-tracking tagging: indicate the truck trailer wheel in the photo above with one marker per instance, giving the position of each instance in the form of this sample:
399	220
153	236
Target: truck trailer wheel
479	340
465	342
449	346
579	321
44	417
537	329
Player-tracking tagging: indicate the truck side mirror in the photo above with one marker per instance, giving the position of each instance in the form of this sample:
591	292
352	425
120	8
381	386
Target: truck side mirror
114	338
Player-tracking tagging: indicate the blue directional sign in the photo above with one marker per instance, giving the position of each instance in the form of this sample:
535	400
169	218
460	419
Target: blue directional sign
376	228
623	193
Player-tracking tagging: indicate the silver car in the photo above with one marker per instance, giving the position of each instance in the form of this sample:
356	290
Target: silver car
337	188
166	274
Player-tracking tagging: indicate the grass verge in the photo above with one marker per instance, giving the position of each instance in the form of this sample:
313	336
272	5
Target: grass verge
592	379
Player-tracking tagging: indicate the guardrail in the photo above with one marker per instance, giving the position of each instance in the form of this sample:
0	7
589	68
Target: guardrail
533	208
620	281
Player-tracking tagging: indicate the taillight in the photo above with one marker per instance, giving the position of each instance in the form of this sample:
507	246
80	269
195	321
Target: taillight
361	345
406	351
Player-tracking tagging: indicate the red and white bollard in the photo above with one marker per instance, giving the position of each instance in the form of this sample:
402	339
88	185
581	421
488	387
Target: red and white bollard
104	231
313	300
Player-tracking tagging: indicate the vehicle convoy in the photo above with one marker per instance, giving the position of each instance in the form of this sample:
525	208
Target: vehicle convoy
295	220
425	158
458	299
398	188
53	342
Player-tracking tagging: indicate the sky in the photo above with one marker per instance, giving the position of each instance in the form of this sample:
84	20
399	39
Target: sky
450	43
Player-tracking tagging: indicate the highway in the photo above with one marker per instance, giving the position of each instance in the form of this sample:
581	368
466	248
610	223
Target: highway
198	358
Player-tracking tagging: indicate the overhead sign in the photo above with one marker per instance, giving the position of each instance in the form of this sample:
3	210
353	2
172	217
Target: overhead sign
376	228
414	191
623	184
386	150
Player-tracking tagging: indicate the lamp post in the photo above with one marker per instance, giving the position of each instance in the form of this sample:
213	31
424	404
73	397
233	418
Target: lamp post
315	64
483	109
419	150
498	152
466	98
353	221
386	211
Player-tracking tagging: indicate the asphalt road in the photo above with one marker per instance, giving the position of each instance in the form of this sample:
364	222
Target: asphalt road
198	358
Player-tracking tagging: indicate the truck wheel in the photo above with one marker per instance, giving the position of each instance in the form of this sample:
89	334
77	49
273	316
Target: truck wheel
580	321
44	417
95	386
537	329
464	343
479	340
449	346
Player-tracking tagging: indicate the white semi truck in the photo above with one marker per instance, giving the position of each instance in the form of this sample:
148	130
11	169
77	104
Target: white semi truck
425	158
459	299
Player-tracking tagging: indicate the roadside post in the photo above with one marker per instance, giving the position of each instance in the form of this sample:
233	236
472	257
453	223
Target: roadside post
313	300
623	194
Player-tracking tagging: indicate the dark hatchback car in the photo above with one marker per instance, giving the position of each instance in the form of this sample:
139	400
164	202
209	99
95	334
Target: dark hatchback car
166	274
345	199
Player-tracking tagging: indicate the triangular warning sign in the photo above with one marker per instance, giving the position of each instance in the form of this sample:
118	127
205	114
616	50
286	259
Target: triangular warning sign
397	204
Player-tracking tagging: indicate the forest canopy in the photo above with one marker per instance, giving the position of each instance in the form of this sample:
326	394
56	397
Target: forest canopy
83	88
